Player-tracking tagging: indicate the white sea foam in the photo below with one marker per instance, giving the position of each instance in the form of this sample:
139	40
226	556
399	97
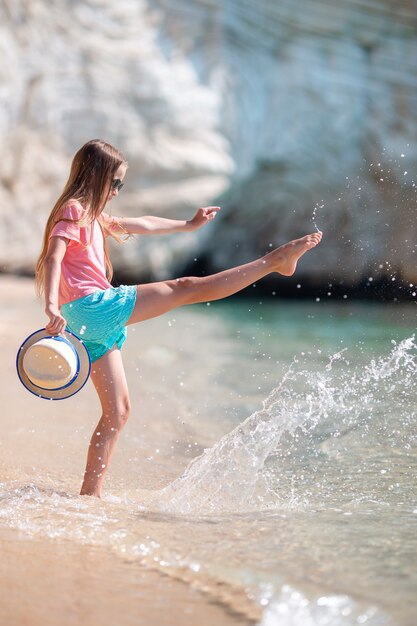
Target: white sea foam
291	607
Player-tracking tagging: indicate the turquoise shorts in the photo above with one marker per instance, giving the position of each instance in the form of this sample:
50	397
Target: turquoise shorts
99	319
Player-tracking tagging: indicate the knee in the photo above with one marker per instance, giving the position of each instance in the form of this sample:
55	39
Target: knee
123	411
186	288
119	414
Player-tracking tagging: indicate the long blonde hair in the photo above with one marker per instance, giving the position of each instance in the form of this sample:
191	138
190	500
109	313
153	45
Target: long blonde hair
92	171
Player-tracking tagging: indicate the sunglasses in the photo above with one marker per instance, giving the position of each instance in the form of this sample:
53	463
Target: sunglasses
116	184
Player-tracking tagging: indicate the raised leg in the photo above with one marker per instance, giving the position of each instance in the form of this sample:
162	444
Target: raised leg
109	379
157	298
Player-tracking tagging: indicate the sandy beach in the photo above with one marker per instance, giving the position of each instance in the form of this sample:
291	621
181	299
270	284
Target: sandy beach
47	580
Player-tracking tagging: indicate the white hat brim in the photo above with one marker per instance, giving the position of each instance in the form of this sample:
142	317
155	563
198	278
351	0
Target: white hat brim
70	389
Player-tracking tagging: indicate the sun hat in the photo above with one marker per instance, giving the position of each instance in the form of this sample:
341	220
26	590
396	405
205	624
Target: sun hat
53	367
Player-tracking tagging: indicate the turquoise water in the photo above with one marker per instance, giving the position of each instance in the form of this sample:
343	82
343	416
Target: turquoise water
330	460
297	493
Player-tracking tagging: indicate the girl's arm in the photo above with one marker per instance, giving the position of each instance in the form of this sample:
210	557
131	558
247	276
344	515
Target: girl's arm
53	260
151	225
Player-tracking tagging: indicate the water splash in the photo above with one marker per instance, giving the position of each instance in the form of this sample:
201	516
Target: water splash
314	216
306	409
40	510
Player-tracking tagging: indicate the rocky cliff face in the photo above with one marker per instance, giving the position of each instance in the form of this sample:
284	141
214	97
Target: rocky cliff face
279	111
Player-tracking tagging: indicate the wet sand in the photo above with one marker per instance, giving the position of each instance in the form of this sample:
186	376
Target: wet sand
47	581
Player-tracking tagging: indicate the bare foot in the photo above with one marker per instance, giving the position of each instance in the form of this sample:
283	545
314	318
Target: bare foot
93	494
284	259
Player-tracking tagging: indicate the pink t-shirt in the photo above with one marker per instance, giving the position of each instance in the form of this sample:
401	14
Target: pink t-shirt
83	268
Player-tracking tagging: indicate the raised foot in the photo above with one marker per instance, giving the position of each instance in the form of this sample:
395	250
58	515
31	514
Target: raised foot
287	256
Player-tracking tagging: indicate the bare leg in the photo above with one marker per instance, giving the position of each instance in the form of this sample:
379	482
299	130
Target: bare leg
157	298
109	379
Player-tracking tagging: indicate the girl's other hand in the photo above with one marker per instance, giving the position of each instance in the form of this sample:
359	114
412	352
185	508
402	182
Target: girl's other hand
203	216
57	323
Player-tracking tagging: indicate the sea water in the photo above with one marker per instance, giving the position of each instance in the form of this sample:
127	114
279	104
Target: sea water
303	504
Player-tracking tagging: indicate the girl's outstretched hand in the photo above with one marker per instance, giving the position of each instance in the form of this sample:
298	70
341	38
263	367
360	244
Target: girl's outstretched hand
57	323
203	216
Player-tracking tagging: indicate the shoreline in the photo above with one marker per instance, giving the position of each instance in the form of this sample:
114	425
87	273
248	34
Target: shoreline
53	537
90	585
49	580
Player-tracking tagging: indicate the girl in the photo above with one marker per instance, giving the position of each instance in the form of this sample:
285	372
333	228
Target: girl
74	271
